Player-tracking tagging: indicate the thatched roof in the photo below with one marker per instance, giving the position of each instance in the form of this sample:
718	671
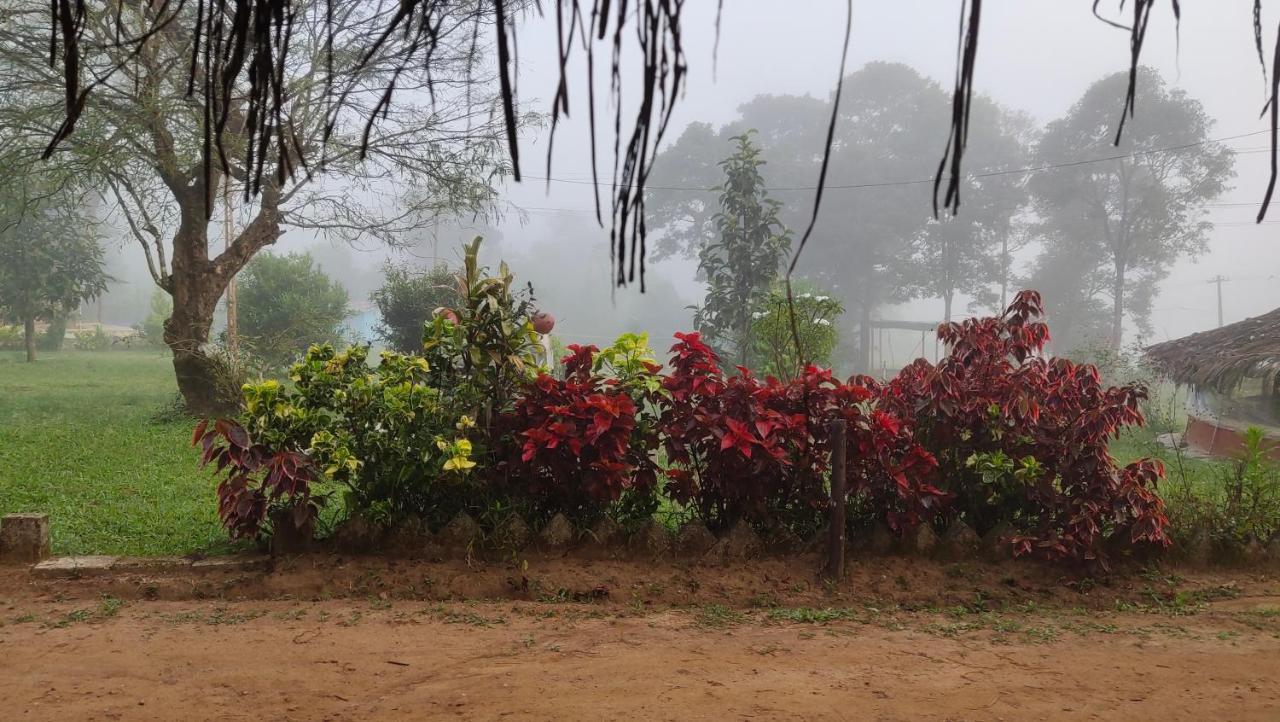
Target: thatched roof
1221	358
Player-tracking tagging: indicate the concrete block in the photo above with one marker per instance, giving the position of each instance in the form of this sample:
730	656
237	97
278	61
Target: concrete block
24	538
74	567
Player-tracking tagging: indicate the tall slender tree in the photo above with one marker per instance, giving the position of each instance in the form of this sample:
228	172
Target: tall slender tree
1138	213
743	261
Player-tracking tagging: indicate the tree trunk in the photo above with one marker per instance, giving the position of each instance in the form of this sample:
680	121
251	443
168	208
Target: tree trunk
864	339
206	387
946	303
1117	308
29	338
209	387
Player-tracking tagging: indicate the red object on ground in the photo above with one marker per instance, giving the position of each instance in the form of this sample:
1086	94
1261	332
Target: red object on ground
1221	439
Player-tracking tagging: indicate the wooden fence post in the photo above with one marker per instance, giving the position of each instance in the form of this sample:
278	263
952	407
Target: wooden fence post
836	430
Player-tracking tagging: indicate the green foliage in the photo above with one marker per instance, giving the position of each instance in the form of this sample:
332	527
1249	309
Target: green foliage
10	338
95	340
287	303
871	246
816	318
50	259
1121	225
153	327
743	262
1241	503
485	347
393	443
407	300
54	336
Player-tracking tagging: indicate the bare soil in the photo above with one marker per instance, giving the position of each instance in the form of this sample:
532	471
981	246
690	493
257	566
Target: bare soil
570	639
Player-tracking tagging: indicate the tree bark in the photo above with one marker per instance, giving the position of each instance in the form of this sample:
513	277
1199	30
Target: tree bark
29	338
946	302
208	386
864	338
1117	307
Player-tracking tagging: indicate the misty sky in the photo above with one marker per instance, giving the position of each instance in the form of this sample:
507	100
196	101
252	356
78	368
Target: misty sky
1035	55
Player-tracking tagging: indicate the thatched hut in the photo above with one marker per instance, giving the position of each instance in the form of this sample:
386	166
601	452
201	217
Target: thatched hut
1234	375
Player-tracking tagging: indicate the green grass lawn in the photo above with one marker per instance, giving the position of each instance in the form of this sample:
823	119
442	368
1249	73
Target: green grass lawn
79	440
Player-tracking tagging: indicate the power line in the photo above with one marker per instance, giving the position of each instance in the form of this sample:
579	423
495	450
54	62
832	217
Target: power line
981	174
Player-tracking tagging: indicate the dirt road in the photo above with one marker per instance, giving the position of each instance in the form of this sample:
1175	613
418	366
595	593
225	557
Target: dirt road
69	653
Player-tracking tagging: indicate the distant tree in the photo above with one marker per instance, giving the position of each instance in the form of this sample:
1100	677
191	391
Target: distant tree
1137	214
971	253
287	303
743	262
153	326
873	244
145	139
407	299
50	261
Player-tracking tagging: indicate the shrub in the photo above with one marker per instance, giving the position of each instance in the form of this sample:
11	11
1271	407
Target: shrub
484	349
408	300
259	479
1023	439
95	340
1240	504
55	334
393	443
287	303
152	328
816	316
11	338
743	449
579	445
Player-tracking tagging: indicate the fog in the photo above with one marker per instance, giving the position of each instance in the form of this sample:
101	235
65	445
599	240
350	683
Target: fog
1036	56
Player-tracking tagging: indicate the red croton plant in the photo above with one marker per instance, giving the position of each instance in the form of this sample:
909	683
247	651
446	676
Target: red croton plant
742	448
996	392
579	442
256	477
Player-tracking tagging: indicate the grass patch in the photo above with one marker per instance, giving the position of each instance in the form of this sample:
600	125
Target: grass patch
80	440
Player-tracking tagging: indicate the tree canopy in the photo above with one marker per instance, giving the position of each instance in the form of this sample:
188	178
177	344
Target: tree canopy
245	47
1130	218
875	242
50	260
286	304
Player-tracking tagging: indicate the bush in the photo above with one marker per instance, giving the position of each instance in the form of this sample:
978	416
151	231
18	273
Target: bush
11	338
408	300
994	433
152	328
1240	505
55	335
816	316
286	304
1023	439
260	479
484	349
580	443
95	340
741	449
392	443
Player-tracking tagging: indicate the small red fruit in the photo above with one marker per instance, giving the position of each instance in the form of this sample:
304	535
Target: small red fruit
543	322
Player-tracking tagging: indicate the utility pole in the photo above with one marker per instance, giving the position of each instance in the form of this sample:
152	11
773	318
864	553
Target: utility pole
1218	279
233	334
